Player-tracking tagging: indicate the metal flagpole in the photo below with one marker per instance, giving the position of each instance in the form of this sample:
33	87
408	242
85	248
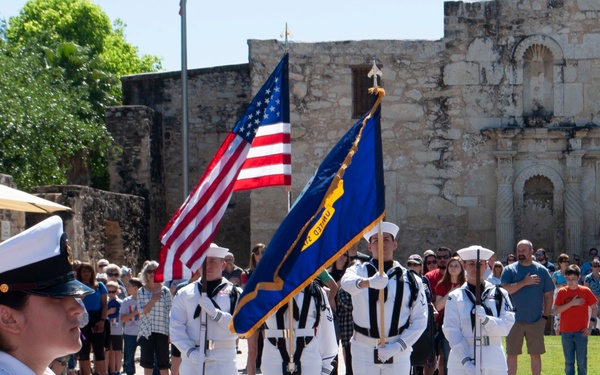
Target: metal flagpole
290	332
184	100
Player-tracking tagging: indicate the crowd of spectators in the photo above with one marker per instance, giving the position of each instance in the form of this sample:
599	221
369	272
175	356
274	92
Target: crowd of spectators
129	310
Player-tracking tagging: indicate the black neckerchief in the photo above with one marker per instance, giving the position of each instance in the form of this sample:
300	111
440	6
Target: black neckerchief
387	265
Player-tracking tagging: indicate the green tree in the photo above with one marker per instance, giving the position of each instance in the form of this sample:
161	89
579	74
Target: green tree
49	23
75	54
44	121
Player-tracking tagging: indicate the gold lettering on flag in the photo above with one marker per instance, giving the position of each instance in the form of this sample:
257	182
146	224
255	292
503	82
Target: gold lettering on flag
315	232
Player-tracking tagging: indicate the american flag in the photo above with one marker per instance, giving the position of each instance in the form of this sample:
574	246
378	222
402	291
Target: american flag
192	228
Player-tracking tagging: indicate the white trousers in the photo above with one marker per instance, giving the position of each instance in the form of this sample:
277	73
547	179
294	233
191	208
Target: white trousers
218	361
271	363
363	361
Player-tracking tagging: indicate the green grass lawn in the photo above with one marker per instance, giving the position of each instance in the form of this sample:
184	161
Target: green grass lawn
553	362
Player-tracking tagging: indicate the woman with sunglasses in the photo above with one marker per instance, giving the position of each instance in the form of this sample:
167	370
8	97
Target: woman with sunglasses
592	280
93	334
154	305
429	261
494	277
113	273
510	259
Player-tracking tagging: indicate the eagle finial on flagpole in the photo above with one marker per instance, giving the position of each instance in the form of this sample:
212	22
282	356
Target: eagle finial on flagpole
285	34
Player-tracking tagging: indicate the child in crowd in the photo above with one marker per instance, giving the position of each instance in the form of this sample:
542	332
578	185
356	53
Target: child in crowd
131	322
116	328
572	302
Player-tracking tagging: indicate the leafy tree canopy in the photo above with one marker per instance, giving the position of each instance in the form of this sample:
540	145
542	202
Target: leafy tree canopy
44	122
62	60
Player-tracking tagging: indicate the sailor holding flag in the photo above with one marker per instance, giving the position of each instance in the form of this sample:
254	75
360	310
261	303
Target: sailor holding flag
199	325
404	304
474	326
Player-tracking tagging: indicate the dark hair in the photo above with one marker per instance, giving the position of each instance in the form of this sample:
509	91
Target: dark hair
562	257
573	270
255	251
447	279
16	300
87	266
135	281
444	248
543	251
425	266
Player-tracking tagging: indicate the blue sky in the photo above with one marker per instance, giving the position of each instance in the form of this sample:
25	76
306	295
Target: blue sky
217	31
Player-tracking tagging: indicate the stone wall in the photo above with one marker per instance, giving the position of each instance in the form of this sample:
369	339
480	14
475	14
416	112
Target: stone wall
217	98
15	220
138	165
501	64
101	224
489	134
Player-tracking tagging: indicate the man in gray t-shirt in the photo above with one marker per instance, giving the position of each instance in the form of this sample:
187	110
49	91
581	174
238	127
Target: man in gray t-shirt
532	290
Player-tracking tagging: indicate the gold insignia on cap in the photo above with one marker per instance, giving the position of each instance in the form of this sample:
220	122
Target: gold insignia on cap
69	254
3	288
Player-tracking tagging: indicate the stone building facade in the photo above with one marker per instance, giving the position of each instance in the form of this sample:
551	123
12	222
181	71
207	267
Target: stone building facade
490	134
100	224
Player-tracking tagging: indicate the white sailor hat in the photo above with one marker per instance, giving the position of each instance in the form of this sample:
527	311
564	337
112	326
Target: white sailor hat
386	227
470	253
216	251
39	261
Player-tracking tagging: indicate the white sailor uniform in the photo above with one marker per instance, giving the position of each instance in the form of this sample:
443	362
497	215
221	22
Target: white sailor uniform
405	320
458	328
9	365
185	330
315	345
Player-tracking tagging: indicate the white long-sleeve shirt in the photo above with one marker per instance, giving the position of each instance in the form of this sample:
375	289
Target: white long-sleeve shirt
360	302
459	332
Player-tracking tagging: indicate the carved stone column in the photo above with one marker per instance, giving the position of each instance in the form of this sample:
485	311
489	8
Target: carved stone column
573	203
505	221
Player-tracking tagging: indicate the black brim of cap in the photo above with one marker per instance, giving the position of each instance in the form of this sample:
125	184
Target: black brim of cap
71	288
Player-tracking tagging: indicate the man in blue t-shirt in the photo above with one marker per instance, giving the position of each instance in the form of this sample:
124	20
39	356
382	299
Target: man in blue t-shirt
532	290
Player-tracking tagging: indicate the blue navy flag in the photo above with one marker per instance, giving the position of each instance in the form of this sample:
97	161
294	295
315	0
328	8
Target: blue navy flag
344	198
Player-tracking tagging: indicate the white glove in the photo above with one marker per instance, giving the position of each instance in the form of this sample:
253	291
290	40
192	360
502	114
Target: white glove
326	366
208	306
377	281
480	314
196	356
469	368
390	350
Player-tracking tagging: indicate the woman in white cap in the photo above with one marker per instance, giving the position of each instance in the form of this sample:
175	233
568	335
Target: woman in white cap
495	316
38	307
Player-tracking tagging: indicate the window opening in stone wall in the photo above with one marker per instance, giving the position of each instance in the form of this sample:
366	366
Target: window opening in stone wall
538	212
114	251
362	101
538	85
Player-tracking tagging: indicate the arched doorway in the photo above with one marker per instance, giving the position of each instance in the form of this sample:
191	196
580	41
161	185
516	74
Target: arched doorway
538	212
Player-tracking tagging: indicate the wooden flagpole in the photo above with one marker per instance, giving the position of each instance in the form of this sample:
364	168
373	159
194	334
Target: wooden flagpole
291	364
381	291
